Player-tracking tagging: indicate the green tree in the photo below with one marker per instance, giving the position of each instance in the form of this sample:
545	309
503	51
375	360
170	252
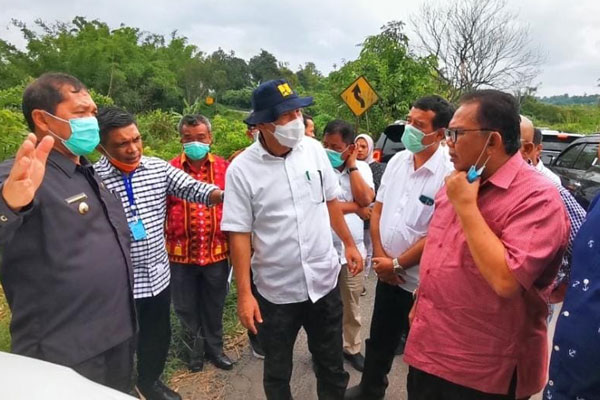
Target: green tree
263	67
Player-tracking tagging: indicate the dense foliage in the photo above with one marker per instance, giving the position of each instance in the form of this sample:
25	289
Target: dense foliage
160	78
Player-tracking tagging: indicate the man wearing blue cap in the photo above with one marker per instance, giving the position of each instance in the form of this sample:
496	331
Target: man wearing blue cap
280	201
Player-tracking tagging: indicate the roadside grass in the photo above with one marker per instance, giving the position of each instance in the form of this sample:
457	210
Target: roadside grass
177	352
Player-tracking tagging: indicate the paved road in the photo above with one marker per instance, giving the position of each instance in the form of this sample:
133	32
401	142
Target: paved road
245	381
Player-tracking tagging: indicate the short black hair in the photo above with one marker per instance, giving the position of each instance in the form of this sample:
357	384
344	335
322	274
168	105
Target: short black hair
110	118
194	120
537	136
345	129
441	107
45	94
498	111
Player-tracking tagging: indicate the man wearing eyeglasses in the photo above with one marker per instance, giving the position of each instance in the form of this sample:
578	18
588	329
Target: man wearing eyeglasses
493	248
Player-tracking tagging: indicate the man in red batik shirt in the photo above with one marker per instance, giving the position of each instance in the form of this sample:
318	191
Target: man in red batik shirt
198	249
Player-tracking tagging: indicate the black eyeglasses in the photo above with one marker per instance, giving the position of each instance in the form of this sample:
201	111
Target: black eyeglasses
452	134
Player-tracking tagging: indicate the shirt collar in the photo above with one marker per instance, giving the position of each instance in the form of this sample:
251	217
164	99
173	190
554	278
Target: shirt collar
264	154
506	174
184	159
433	162
66	165
104	162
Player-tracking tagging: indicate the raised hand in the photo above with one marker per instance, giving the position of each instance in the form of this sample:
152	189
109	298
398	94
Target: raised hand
27	172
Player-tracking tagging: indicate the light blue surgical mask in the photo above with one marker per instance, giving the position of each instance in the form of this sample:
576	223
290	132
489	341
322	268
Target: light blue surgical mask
474	173
85	134
196	150
335	158
412	138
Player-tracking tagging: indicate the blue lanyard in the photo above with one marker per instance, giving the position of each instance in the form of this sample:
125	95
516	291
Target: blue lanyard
129	189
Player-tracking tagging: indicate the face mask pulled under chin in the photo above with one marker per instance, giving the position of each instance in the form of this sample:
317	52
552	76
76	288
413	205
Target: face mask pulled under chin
290	134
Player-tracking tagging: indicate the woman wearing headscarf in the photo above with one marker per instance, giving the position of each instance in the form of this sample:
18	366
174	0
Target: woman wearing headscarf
365	146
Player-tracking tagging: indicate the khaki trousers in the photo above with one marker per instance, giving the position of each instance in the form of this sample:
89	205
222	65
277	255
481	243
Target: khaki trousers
350	288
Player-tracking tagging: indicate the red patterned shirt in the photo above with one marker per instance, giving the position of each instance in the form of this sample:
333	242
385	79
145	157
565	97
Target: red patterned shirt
194	230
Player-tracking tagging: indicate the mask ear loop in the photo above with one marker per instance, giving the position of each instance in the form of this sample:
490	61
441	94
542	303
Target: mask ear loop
475	173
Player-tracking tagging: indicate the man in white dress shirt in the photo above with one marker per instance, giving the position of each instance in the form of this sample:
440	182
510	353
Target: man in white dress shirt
399	223
356	181
280	201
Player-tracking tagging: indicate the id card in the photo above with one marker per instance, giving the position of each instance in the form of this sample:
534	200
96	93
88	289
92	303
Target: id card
138	231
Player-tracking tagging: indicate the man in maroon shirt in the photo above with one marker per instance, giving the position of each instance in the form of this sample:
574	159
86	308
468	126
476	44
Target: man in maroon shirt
494	245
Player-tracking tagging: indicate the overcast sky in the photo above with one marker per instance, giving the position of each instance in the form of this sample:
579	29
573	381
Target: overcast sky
327	31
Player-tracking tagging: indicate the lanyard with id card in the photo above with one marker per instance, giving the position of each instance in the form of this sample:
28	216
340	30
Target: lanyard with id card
138	231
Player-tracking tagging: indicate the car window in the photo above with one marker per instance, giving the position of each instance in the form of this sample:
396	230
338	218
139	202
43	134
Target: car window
587	157
566	159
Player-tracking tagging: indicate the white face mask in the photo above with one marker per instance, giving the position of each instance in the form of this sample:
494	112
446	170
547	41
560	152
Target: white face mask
290	134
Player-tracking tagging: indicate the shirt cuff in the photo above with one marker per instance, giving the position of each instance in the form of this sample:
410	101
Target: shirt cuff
8	216
233	227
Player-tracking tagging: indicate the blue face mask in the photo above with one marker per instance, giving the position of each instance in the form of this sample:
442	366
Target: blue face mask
474	173
196	150
335	158
85	134
412	138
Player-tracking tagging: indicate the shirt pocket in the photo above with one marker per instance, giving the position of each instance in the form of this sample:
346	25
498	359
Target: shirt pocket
314	184
419	216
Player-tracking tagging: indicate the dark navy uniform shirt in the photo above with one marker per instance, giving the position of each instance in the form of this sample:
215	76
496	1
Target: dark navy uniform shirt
65	266
575	361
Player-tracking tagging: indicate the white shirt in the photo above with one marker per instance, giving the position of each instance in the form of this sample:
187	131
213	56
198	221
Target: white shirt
355	224
548	173
283	202
405	217
152	182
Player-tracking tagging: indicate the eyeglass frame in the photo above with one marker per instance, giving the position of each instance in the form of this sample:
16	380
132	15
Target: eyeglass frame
452	134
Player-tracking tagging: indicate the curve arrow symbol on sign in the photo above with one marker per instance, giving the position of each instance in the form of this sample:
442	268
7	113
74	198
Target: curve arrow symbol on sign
356	91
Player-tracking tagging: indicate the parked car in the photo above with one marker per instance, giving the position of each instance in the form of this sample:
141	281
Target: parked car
554	142
389	143
579	169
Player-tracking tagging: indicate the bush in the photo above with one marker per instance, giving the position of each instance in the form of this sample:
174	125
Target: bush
238	98
14	131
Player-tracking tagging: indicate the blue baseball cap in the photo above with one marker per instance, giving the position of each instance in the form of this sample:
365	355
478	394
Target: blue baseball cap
273	98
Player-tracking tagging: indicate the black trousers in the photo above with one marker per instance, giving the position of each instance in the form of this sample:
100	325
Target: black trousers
389	322
198	299
112	368
322	322
154	336
424	386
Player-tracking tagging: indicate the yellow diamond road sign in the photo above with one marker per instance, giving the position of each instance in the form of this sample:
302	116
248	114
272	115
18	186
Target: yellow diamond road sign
359	96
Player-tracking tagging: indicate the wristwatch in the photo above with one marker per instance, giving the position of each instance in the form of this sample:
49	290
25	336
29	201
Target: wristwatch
352	169
398	269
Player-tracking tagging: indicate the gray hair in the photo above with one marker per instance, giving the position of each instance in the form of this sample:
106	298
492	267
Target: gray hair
194	120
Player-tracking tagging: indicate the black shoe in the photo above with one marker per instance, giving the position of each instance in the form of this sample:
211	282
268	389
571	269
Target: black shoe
257	349
356	360
158	391
357	393
220	361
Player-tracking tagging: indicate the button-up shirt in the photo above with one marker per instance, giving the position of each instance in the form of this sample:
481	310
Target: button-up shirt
463	331
153	180
355	223
283	202
575	358
65	267
406	211
194	230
